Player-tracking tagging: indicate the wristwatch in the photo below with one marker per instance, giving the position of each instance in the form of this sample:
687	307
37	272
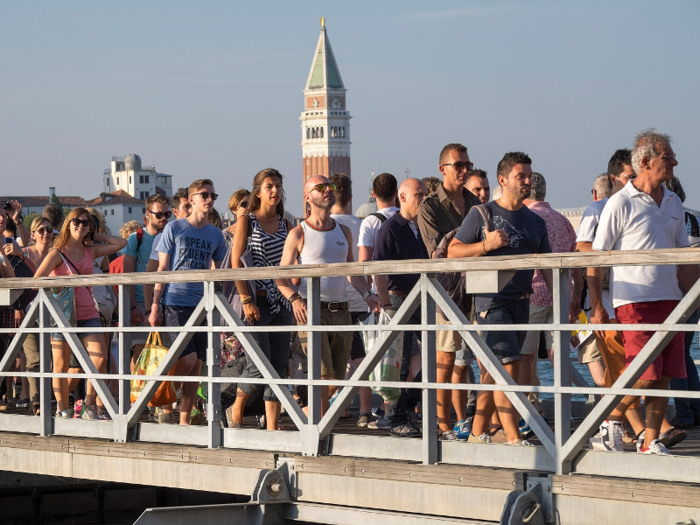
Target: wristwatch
366	295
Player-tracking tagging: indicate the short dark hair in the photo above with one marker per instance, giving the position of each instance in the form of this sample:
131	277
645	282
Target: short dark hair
343	188
620	159
384	186
455	146
477	173
182	193
509	160
54	213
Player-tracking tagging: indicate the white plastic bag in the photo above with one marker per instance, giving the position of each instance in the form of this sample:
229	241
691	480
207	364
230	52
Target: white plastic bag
389	366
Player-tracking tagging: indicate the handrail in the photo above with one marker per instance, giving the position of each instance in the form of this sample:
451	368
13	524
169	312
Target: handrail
545	261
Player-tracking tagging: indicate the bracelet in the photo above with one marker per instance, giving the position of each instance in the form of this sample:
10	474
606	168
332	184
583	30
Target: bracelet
147	313
247	299
483	246
294	297
134	308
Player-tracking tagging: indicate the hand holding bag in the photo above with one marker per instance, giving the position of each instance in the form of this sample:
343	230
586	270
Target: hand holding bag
148	362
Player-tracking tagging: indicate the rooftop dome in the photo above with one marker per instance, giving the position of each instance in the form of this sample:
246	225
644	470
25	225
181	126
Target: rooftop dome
132	162
368	208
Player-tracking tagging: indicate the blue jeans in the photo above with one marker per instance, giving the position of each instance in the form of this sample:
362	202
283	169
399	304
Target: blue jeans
688	410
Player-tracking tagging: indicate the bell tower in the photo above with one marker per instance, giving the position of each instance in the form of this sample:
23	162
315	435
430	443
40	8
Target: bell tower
325	121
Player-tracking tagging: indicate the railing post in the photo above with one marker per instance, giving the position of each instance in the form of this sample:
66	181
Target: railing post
310	437
562	367
429	367
213	366
120	423
45	361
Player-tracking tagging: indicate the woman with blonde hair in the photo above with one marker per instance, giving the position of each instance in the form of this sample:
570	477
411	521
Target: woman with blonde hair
73	253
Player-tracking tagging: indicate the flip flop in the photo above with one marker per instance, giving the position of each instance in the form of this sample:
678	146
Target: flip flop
672	437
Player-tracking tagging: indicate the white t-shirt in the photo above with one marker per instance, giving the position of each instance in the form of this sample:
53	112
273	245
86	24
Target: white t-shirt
586	233
632	221
370	227
357	304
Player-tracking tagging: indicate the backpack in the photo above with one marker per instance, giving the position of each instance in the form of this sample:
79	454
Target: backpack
139	242
22	269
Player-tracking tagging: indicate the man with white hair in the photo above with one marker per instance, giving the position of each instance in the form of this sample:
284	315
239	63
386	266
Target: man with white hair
644	215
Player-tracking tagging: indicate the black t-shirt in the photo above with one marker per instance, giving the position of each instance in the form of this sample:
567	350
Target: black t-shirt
527	234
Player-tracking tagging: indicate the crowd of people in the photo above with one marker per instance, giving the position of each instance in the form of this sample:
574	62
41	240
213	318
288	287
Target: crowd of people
636	205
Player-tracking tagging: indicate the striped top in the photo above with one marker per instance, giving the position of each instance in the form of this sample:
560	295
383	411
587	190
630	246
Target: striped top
267	251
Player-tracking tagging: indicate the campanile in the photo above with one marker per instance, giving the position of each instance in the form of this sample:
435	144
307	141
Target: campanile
325	121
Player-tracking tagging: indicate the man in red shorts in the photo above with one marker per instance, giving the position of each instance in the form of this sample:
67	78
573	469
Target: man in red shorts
644	215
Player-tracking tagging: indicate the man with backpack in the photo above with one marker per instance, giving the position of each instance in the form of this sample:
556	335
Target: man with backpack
441	213
136	257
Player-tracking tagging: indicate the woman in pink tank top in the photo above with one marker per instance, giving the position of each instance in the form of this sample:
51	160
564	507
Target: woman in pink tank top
73	252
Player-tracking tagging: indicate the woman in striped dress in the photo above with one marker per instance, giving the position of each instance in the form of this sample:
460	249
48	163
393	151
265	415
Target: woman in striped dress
267	229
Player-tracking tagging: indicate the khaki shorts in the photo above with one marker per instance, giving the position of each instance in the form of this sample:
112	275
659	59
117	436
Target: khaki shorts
446	340
538	315
588	351
335	346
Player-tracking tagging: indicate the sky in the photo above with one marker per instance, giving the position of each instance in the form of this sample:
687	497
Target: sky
214	89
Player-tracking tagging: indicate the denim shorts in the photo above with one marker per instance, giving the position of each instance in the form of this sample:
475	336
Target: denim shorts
82	323
177	316
506	345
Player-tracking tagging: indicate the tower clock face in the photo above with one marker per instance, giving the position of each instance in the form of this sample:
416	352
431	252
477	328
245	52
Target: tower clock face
336	103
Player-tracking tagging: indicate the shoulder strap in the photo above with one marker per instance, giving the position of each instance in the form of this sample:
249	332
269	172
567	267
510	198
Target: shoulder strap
139	242
67	260
380	216
485	213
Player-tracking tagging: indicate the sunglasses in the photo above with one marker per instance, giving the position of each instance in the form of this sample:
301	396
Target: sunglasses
205	195
321	188
243	204
459	166
85	222
44	231
161	214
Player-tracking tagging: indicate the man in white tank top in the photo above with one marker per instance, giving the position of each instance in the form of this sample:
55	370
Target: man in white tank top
321	240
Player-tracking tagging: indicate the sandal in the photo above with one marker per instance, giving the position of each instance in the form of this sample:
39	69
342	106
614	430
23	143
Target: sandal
672	437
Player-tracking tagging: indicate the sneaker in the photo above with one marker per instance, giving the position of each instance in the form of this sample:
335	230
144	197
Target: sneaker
380	424
103	415
654	448
16	390
525	430
22	403
522	443
363	420
611	433
152	411
415	421
449	435
464	428
3	404
499	436
65	414
89	412
78	409
483	438
640	440
404	430
163	417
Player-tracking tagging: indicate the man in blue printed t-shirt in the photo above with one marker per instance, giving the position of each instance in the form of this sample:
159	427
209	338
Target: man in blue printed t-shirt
136	257
516	231
188	244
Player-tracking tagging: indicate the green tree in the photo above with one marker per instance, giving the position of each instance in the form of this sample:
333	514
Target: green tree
29	219
54	200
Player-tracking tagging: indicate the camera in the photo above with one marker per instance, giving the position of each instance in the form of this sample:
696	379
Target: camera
7	206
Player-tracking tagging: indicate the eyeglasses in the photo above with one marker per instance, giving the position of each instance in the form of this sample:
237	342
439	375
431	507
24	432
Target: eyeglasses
205	195
44	231
243	204
84	222
161	214
459	166
669	156
321	188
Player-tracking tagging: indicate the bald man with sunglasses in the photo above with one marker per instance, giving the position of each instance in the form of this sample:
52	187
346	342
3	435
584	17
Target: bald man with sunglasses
320	240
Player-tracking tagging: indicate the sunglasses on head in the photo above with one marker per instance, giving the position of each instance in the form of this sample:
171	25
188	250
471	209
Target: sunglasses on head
321	188
85	222
205	195
161	214
44	231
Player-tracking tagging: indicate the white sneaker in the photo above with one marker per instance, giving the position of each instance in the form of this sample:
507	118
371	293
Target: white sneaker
655	448
380	424
611	434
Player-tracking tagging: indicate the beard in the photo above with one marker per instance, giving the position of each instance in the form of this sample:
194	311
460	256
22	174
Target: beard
323	204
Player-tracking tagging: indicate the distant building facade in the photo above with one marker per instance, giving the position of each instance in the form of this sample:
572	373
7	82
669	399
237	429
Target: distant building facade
325	121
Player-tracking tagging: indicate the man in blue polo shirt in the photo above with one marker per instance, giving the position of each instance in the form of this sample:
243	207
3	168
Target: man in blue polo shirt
400	239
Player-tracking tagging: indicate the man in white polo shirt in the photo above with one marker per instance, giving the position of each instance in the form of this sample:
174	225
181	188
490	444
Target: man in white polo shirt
644	215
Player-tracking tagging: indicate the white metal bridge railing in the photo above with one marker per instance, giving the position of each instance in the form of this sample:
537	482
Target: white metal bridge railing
561	451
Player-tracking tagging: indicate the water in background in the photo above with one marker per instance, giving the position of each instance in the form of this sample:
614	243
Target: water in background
547	372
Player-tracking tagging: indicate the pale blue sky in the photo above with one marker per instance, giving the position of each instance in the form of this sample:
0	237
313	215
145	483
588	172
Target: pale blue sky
215	89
